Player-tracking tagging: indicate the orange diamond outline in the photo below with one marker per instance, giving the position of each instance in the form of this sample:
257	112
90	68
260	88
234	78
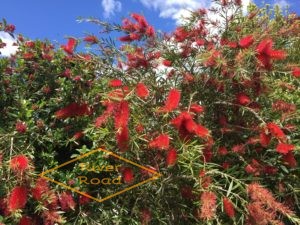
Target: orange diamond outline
154	177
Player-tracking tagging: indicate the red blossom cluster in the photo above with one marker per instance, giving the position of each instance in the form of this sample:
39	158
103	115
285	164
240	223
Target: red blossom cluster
137	30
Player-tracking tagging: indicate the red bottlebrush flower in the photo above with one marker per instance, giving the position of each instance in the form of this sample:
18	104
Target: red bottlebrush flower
66	201
142	90
238	2
115	83
19	163
69	48
264	139
135	36
200	42
240	149
222	151
150	32
289	158
103	118
73	110
181	34
41	187
265	200
161	142
25	220
84	200
167	63
228	207
172	101
296	72
146	216
276	132
180	120
21	127
243	99
245	42
277	54
10	28
17	198
122	115
207	154
122	137
171	157
140	19
126	38
196	108
139	128
187	192
128	175
78	135
284	148
201	131
91	39
208	205
51	217
265	46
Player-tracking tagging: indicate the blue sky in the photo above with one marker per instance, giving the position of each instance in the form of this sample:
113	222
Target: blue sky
56	19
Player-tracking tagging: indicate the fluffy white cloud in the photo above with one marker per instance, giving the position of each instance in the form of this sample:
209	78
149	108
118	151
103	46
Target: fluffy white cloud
110	7
9	49
179	9
281	3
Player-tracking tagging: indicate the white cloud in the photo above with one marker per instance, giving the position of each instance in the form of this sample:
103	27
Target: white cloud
178	9
281	3
110	7
9	49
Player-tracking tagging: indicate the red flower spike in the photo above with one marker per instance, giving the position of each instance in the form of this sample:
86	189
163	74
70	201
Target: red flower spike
122	115
228	207
126	38
172	101
17	198
122	137
142	91
289	158
246	41
21	127
284	148
208	205
222	151
201	131
83	200
171	157
73	110
276	132
196	108
19	163
128	175
167	63
115	83
66	201
25	220
243	99
161	142
69	48
296	72
146	216
108	112
41	187
91	39
264	139
278	54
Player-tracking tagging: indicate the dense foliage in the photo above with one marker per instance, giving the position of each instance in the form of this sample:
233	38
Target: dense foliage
213	107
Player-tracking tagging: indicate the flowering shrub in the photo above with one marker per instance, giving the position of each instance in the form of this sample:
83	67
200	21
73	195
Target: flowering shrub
212	106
